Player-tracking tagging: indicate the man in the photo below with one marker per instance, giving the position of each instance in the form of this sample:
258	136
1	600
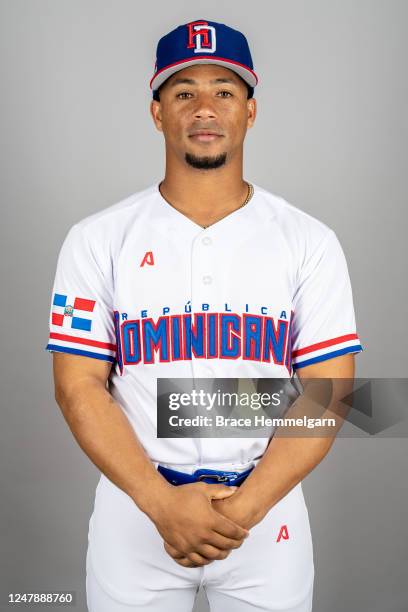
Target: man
203	275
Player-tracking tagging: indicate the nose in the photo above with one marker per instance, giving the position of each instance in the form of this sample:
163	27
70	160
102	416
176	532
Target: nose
204	108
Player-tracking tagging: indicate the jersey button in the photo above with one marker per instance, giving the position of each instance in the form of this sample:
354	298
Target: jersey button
207	280
206	240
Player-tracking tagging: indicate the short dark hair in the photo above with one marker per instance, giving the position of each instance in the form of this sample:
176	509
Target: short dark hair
156	92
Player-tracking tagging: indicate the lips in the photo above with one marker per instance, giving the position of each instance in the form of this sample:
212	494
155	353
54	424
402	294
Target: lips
205	135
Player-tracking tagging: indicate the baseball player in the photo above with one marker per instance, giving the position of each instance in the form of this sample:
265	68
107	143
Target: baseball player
203	274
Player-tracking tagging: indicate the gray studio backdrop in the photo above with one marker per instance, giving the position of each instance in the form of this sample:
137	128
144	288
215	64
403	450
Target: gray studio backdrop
76	137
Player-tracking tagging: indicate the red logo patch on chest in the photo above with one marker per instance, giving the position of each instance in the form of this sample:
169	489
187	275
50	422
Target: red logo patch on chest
148	259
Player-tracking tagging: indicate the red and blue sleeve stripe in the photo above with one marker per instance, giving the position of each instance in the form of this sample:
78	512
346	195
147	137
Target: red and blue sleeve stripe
87	347
328	349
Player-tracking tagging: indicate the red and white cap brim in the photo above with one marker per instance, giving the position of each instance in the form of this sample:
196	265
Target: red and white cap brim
244	72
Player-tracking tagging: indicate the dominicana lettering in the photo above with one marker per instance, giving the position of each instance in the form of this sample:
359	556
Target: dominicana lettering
204	335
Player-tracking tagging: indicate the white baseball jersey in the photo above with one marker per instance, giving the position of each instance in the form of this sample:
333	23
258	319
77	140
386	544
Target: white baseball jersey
258	294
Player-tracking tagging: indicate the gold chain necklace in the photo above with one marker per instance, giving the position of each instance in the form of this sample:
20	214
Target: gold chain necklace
249	196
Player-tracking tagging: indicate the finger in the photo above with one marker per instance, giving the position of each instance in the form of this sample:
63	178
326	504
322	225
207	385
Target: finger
228	528
219	491
185	562
173	552
195	559
180	558
198	559
223	543
212	552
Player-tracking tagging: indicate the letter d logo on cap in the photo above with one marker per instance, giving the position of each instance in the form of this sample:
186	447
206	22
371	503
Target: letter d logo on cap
201	37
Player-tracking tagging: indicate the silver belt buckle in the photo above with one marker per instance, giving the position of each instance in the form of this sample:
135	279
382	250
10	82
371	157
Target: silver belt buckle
216	477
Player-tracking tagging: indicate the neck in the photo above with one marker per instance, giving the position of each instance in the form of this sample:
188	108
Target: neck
204	194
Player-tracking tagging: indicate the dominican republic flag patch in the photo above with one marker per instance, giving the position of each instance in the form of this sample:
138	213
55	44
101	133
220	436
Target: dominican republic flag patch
73	314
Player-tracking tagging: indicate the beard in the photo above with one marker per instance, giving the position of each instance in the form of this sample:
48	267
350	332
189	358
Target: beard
206	162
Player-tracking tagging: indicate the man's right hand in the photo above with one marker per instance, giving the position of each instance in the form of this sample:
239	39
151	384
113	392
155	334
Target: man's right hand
186	520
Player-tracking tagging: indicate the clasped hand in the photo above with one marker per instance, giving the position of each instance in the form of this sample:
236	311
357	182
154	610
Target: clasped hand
200	523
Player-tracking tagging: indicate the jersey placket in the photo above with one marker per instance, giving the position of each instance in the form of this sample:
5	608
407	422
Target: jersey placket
204	283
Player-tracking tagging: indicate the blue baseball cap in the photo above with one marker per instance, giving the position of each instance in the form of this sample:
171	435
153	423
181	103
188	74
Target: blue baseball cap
203	42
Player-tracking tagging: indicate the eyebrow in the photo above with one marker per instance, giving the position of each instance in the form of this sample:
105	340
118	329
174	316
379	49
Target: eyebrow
186	81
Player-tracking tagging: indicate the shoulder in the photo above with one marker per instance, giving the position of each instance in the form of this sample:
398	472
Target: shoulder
301	230
116	217
105	229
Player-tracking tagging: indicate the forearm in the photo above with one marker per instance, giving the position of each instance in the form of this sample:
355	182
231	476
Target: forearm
104	433
284	464
292	454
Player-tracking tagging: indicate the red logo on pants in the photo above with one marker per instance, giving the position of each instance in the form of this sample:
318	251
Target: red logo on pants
283	533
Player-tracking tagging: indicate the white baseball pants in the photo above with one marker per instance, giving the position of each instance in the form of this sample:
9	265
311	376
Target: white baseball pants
128	569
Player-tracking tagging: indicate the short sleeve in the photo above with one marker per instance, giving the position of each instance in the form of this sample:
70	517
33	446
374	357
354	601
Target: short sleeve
323	324
81	318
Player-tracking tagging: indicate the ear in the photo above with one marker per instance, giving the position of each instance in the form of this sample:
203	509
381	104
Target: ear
251	110
155	111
